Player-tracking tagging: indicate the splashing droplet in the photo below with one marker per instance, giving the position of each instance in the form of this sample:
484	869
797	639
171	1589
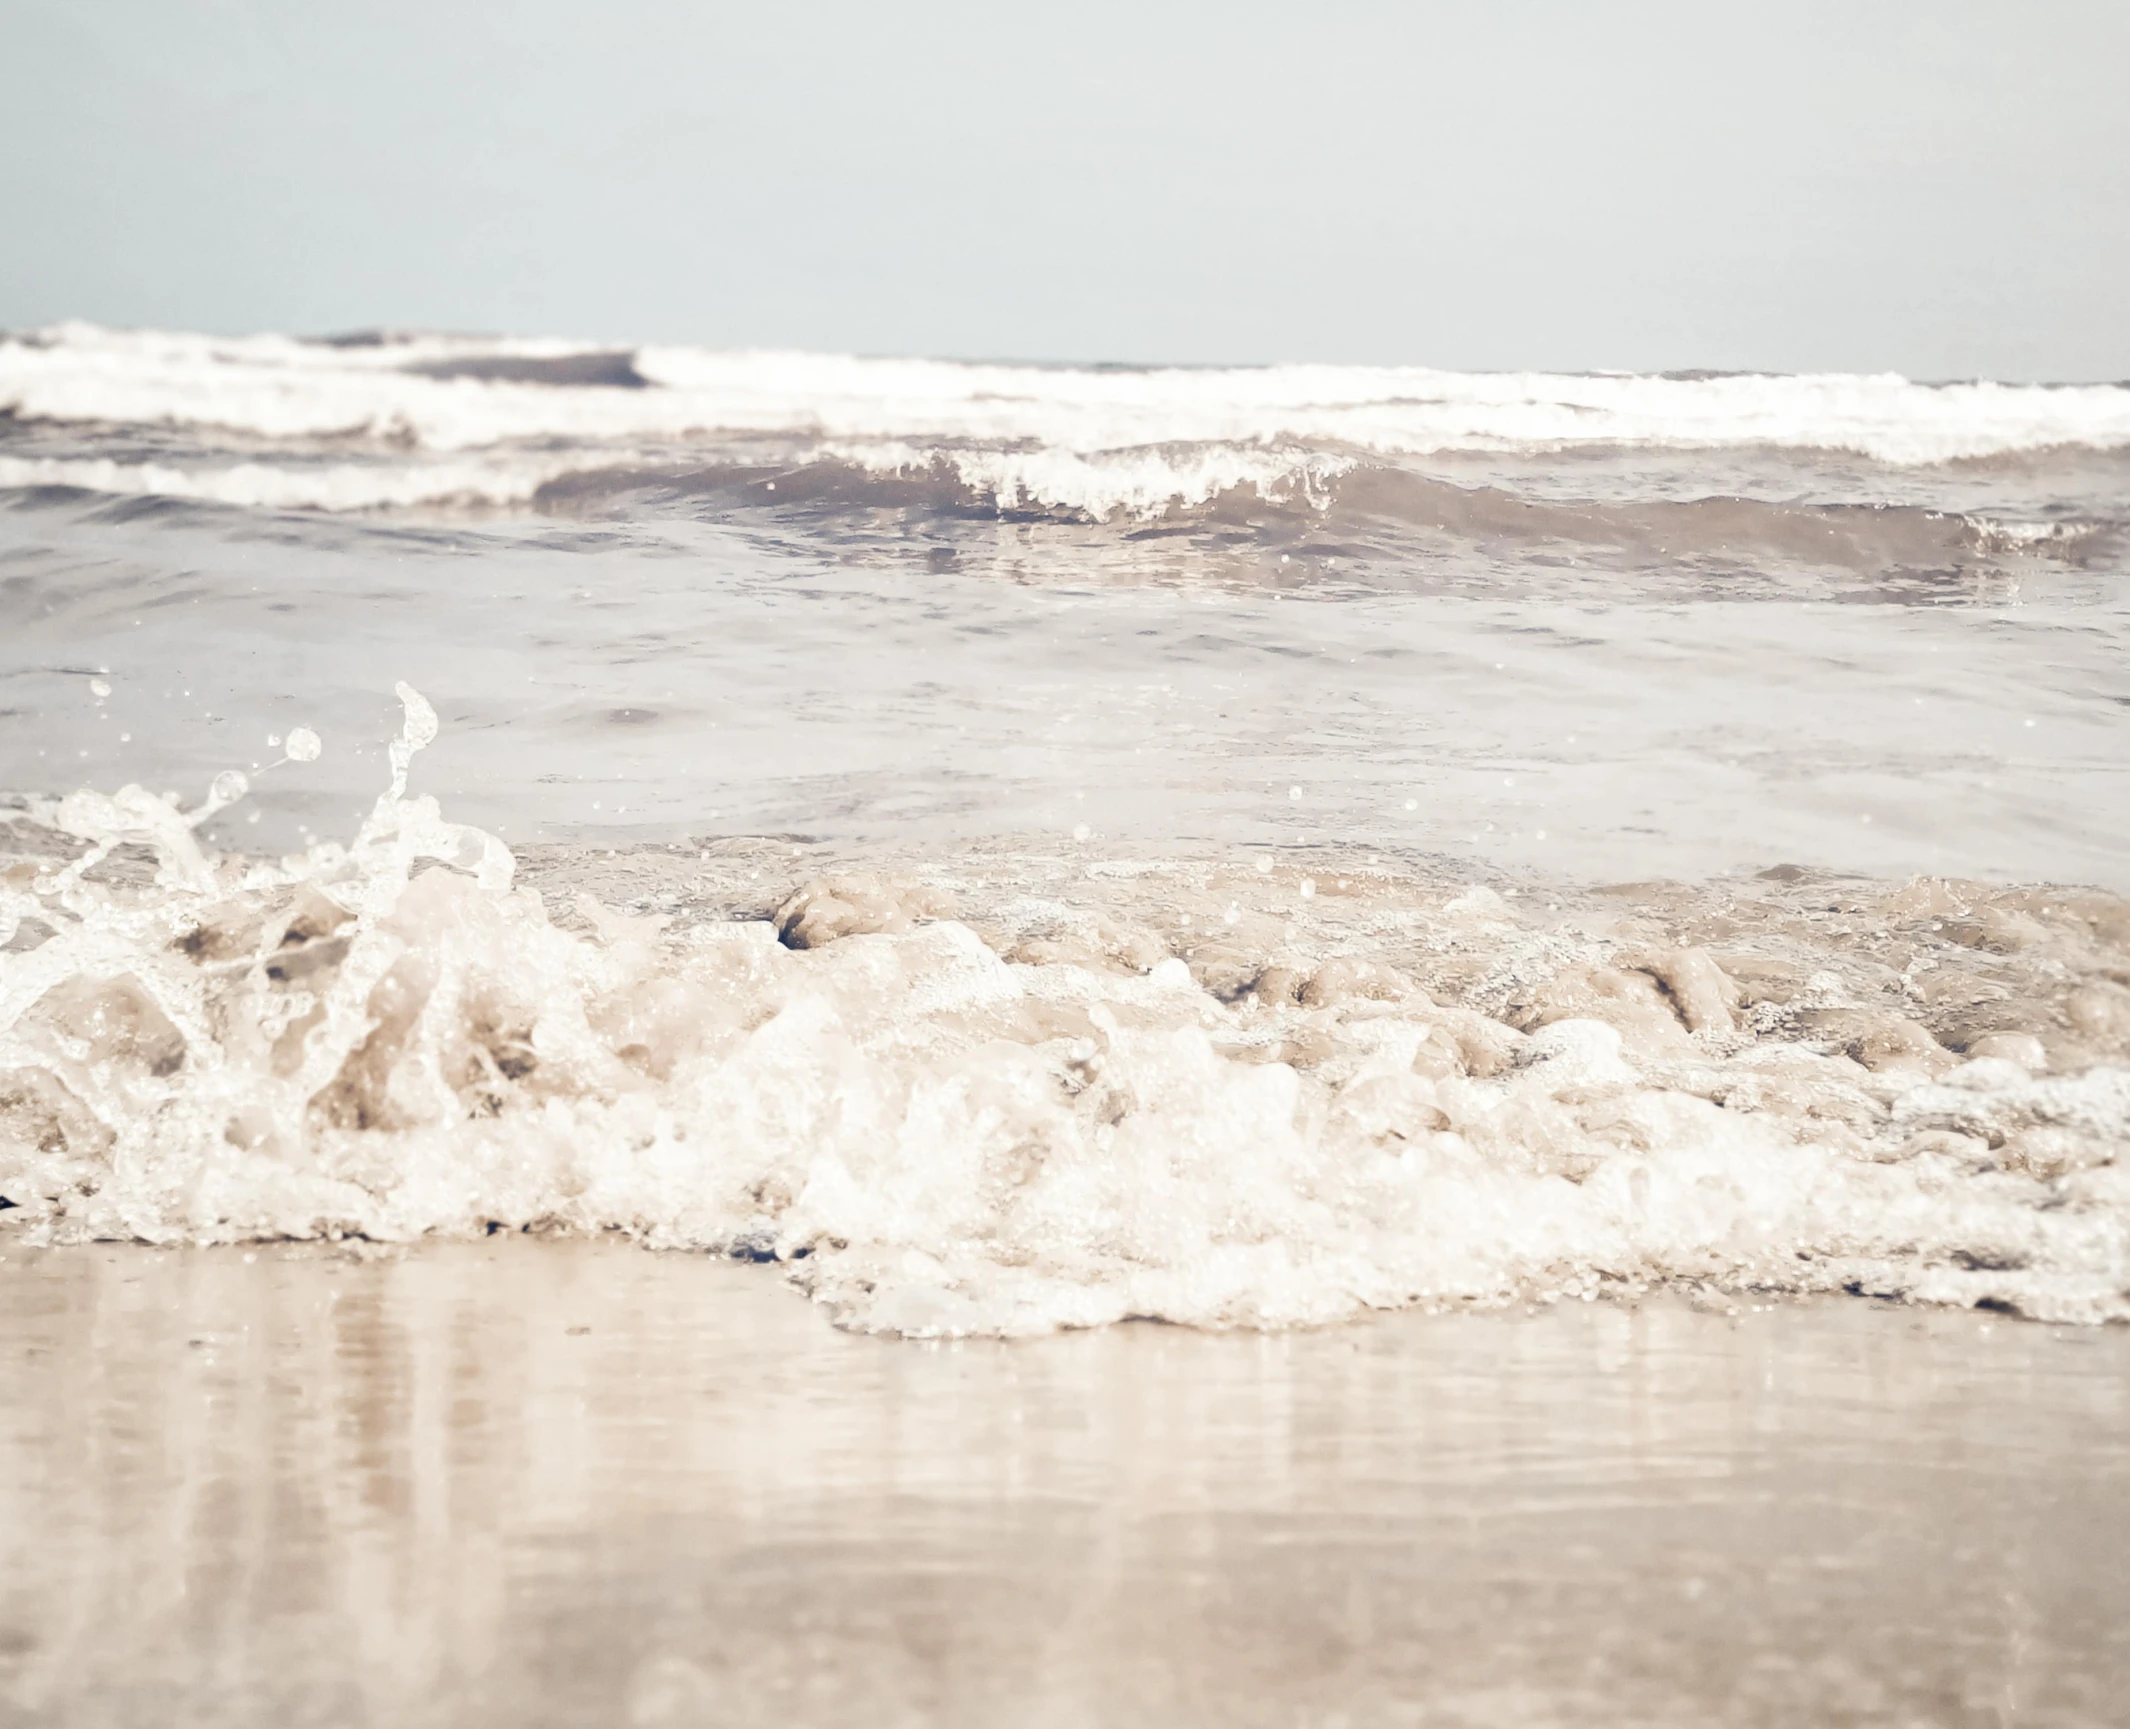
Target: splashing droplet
304	745
417	732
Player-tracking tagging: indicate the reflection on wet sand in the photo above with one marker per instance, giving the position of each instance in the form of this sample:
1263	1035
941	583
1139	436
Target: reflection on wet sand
524	1482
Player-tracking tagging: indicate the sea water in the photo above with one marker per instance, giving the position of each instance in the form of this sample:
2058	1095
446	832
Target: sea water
1024	847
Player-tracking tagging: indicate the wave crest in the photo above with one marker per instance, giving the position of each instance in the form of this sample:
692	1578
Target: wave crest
455	394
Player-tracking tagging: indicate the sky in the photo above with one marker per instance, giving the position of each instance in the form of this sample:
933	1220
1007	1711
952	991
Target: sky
1934	187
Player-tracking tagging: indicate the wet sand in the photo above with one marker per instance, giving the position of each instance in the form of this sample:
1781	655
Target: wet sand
564	1482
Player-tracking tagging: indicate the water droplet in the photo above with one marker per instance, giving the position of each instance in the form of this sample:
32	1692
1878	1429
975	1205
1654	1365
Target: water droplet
101	688
304	745
419	726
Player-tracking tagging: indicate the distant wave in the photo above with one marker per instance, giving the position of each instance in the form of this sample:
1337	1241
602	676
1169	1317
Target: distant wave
1172	491
1380	468
334	486
1345	495
451	394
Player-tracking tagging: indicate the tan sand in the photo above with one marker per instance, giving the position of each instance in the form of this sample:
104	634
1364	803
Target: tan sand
528	1483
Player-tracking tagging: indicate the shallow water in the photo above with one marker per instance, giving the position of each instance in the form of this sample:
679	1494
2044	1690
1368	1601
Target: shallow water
1203	783
1595	627
565	1483
595	686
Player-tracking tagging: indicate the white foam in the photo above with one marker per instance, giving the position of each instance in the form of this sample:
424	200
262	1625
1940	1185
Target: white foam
341	486
1098	440
935	1139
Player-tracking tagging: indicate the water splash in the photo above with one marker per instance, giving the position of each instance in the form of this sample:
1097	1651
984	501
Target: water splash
390	1037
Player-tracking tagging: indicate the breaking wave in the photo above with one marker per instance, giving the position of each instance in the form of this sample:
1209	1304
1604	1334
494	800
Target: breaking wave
456	393
1217	1092
498	420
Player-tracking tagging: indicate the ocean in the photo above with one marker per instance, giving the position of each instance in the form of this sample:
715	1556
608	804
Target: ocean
1026	847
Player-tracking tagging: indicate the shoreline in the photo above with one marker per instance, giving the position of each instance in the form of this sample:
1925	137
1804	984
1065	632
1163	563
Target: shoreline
564	1482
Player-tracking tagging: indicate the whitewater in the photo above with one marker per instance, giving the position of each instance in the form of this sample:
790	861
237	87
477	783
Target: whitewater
1024	847
497	422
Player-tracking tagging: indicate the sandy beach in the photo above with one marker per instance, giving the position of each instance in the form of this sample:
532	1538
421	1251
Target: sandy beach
1122	867
572	1482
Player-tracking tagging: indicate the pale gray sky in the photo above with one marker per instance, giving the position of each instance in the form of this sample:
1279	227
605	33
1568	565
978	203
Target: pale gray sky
1940	187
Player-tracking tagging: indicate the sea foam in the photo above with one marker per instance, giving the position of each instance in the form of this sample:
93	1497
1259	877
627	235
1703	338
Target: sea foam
1039	1117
